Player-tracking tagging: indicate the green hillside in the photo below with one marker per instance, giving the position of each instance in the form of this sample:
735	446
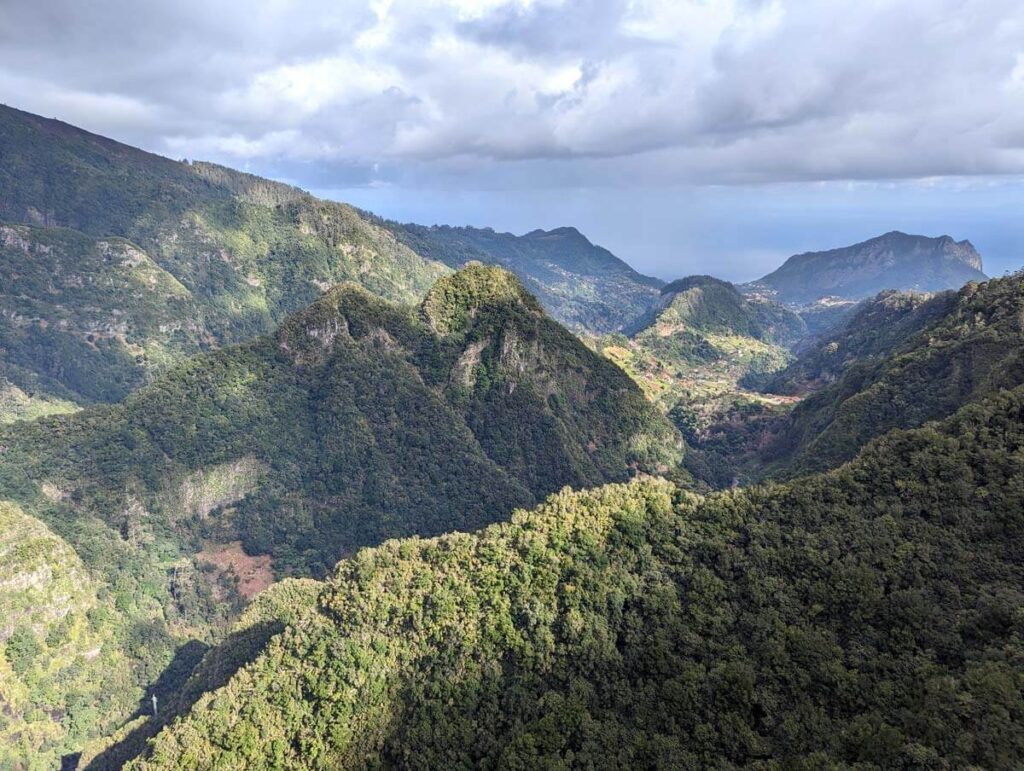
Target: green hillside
119	263
873	331
699	354
582	285
357	421
285	485
63	673
868	618
900	362
86	318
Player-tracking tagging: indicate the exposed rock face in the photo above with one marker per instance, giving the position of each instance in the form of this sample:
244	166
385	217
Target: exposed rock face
892	261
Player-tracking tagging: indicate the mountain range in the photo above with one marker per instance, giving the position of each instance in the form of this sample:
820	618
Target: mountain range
357	421
865	618
900	362
119	264
287	485
584	286
699	352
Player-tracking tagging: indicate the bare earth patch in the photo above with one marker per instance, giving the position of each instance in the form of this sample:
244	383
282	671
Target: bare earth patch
254	573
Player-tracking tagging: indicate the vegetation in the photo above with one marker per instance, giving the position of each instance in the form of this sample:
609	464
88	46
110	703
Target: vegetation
900	362
19	404
359	420
891	261
875	328
582	285
285	603
164	456
124	262
65	667
700	354
867	618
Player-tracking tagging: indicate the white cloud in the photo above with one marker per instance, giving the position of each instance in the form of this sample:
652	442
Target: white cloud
574	91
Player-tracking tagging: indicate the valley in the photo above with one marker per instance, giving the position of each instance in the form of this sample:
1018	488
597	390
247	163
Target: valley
285	484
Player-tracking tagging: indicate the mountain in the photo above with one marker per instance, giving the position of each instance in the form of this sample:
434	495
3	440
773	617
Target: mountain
118	263
892	261
866	618
710	305
898	363
84	319
359	420
582	285
698	352
873	330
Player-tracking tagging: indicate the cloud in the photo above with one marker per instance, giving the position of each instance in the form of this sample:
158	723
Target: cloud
545	93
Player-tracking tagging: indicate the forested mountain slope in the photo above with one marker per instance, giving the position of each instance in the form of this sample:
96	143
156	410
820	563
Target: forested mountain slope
61	663
700	350
899	363
582	285
705	304
891	261
117	262
874	329
357	421
867	618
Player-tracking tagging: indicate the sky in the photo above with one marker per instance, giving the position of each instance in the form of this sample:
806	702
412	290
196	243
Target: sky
709	136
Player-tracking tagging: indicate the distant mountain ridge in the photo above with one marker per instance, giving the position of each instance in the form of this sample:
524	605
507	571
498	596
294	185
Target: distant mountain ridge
118	263
581	284
894	260
709	304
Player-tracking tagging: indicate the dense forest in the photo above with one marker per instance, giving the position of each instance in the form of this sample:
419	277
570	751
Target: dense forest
358	421
868	618
287	485
899	362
